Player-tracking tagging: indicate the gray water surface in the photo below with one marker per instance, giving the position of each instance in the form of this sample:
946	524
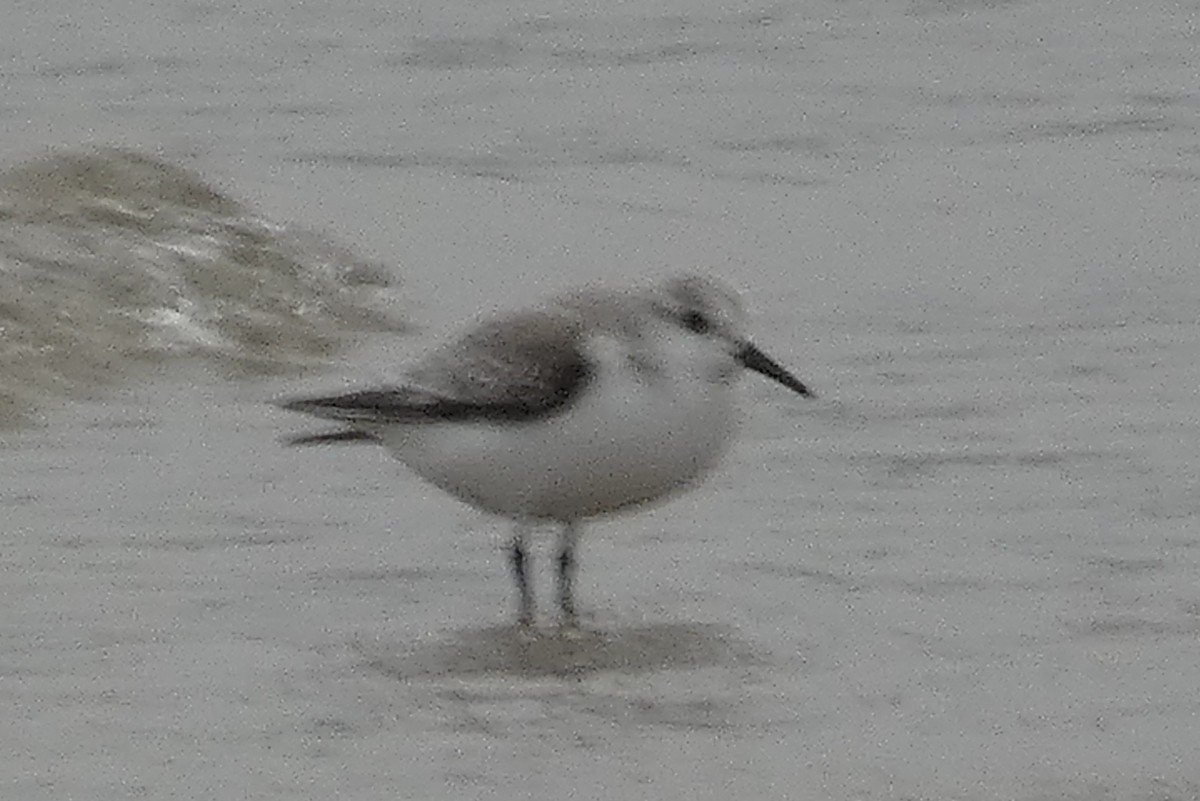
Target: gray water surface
969	570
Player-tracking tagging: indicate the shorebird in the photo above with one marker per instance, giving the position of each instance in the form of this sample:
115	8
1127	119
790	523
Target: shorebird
588	404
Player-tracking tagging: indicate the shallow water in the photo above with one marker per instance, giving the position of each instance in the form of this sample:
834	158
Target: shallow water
967	571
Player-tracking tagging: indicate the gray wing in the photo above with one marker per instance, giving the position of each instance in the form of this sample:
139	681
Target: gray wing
514	369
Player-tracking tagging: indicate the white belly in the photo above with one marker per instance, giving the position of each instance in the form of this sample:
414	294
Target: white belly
629	443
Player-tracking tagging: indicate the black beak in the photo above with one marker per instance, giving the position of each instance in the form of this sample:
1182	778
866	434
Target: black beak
754	359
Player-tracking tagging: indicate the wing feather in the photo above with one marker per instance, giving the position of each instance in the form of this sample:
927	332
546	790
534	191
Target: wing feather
517	368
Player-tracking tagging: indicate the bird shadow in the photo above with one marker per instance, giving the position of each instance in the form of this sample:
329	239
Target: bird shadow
509	651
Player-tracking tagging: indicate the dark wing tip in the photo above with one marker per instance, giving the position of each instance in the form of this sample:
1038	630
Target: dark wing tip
319	404
342	408
365	406
329	438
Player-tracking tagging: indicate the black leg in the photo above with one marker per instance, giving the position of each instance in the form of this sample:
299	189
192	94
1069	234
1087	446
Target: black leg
518	555
566	574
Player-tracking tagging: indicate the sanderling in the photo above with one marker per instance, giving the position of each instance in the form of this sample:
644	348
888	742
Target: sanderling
594	402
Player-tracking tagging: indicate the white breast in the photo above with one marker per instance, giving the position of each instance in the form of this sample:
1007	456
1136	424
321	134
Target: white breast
636	435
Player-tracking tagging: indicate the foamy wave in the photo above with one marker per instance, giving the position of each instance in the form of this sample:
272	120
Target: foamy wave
110	259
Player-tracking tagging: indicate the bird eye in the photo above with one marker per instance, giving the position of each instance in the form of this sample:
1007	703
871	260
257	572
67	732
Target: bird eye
695	322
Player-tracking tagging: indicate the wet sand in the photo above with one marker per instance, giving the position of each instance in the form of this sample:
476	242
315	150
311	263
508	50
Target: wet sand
967	571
